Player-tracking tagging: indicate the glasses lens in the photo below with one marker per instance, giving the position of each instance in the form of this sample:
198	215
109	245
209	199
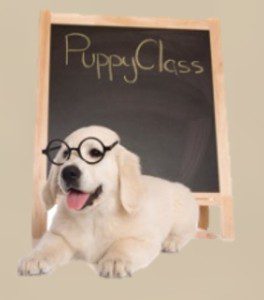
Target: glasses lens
58	152
92	150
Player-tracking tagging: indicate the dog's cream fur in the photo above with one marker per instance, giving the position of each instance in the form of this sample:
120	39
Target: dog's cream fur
134	218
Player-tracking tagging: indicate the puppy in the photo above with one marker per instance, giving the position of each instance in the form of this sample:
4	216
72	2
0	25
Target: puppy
108	213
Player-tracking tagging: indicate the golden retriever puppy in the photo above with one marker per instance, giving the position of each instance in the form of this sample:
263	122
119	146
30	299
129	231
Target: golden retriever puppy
108	214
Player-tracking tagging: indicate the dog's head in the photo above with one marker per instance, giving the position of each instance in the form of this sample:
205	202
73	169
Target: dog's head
96	172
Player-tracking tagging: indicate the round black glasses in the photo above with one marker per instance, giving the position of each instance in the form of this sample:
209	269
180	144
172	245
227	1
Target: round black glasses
91	150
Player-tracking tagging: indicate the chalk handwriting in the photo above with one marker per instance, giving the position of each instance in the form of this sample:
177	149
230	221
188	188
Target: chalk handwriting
103	62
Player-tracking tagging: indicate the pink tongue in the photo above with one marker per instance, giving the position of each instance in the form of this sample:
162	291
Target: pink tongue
76	200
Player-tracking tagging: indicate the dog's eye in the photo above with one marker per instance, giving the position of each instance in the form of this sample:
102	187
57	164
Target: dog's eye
95	153
65	153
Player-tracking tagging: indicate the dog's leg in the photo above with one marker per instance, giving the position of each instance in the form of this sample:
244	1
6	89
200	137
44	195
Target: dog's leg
175	242
51	251
126	256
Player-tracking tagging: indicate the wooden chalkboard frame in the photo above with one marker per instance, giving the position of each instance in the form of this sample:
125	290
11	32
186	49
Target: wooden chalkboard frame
222	199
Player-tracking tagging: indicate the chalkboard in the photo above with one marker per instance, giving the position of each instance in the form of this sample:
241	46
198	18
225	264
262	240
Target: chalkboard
162	105
157	82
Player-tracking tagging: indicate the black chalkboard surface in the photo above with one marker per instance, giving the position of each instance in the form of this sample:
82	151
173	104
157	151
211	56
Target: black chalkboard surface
153	86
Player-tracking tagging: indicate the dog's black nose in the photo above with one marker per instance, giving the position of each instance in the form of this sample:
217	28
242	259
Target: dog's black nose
70	174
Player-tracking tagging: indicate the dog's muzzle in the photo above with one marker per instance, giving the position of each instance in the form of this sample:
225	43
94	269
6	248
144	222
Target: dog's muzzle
77	199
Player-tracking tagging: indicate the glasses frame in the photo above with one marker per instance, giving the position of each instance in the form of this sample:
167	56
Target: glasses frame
70	149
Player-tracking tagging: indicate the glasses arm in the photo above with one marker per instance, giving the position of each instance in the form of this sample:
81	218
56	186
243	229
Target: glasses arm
108	148
45	151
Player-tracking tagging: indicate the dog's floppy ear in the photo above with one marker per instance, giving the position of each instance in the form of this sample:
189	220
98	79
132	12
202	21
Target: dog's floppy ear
129	179
49	192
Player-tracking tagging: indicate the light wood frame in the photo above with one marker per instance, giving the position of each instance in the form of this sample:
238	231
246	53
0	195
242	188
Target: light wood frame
223	199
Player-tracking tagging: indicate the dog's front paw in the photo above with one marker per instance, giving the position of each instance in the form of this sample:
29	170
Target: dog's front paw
114	268
33	265
170	245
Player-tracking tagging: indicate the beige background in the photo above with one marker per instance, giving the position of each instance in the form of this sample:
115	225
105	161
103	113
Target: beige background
205	269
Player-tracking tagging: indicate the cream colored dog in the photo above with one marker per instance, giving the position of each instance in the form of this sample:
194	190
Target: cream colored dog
125	220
